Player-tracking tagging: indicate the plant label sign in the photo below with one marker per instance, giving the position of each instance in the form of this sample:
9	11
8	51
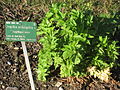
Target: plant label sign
20	31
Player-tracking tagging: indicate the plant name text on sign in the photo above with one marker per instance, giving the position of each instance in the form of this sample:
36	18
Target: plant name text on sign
20	31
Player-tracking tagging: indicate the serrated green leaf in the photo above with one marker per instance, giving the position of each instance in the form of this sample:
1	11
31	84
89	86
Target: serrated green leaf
100	38
90	36
105	40
57	61
101	51
49	15
65	55
77	60
79	37
88	42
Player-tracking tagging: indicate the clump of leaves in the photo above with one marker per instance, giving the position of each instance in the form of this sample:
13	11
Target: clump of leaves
72	44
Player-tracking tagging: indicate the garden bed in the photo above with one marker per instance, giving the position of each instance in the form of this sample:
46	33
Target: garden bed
13	72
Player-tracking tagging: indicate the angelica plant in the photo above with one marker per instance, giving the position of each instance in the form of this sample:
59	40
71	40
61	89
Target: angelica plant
72	44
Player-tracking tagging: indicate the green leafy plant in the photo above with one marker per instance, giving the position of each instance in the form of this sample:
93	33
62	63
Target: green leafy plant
71	44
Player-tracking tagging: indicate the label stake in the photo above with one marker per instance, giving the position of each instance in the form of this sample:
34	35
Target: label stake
28	65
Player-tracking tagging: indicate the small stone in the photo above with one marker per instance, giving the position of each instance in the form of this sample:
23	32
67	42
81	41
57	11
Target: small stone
58	84
16	64
14	70
3	86
4	77
44	85
6	55
16	48
35	56
11	88
9	63
60	88
1	82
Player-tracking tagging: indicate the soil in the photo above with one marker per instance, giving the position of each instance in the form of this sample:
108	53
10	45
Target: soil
13	72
